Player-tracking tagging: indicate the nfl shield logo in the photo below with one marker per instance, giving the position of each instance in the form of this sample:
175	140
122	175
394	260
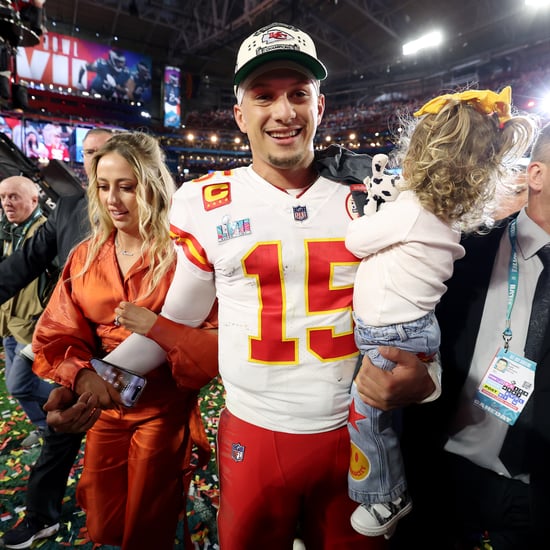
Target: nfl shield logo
237	452
300	213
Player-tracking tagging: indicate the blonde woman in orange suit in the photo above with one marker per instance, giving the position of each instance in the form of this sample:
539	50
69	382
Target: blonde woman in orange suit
135	457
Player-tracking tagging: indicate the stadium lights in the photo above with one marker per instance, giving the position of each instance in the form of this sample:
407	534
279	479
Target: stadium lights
429	40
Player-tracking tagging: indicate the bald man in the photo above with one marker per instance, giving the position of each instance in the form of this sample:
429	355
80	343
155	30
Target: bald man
19	198
21	218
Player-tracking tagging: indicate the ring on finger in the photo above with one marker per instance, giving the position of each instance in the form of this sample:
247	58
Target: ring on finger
117	321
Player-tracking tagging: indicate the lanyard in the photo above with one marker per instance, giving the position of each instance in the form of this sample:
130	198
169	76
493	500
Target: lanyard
513	276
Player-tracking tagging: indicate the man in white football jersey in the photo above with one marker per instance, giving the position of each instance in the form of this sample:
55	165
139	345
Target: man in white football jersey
267	241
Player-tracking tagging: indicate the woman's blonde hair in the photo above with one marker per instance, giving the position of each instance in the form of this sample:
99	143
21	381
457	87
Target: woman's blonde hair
154	190
456	159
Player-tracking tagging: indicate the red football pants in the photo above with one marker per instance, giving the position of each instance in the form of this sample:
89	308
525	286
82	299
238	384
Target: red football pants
271	483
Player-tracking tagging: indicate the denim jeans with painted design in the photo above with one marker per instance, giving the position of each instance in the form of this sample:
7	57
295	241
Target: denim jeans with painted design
376	466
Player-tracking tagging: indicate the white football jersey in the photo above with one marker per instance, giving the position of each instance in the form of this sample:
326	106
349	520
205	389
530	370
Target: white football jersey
284	282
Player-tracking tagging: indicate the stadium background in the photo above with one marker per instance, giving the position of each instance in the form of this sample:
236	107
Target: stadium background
371	84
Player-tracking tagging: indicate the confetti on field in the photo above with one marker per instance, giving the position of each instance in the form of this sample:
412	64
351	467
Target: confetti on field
16	464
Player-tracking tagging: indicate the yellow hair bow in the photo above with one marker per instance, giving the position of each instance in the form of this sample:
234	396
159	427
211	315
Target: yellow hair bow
484	101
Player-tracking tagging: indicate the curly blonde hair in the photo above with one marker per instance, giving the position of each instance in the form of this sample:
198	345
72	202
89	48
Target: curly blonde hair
154	192
456	159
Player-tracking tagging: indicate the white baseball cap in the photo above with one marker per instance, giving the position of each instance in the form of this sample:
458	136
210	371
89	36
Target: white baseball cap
276	42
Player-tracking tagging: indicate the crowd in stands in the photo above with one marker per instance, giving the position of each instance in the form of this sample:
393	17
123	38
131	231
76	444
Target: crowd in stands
381	117
211	138
368	127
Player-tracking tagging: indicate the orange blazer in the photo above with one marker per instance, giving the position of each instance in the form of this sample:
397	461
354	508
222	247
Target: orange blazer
77	325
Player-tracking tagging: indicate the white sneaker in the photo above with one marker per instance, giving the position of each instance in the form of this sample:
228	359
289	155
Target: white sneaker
373	520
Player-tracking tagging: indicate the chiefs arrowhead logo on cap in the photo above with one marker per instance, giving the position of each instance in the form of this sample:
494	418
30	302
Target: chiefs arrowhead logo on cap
273	36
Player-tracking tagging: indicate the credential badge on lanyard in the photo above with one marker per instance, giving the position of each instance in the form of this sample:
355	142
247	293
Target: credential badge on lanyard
509	381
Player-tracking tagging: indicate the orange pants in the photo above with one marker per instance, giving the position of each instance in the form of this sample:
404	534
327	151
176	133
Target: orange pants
132	482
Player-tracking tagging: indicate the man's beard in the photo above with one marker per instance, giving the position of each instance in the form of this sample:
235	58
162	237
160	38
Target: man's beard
287	162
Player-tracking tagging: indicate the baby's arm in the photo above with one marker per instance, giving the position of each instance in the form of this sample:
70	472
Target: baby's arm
370	234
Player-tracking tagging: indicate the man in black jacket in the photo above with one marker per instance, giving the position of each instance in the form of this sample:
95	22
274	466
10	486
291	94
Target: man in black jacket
64	228
466	492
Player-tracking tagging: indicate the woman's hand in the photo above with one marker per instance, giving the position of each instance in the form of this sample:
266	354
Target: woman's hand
135	318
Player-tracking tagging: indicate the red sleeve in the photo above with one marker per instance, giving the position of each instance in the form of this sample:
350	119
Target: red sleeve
192	352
